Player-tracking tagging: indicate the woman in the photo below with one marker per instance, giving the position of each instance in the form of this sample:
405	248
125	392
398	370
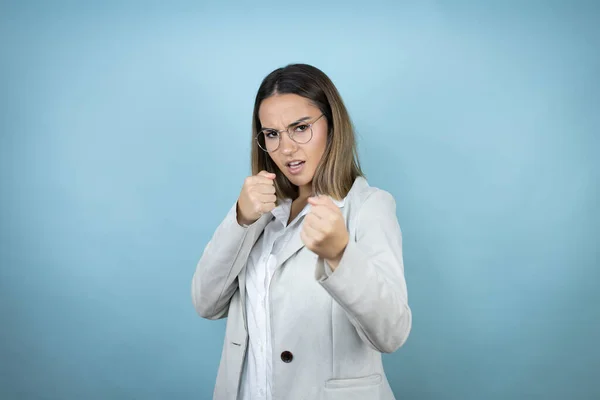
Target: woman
307	266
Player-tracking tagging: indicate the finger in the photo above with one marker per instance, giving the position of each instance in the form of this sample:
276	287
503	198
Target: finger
266	174
265	188
266	207
267	198
261	180
323	201
313	234
323	212
316	223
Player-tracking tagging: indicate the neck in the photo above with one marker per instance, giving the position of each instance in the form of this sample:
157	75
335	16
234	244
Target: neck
304	192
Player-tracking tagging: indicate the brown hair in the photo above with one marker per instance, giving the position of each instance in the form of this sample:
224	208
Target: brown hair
339	166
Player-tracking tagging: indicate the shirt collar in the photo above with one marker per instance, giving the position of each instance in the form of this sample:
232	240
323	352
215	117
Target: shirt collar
282	211
339	203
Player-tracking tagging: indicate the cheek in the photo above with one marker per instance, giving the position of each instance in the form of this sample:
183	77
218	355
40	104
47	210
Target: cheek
276	158
318	145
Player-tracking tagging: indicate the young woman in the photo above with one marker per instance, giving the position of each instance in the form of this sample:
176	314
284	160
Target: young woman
307	265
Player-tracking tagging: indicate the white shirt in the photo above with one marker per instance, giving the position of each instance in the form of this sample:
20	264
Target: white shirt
262	261
256	377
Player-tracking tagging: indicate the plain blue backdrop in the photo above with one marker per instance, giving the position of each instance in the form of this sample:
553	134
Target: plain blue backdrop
125	134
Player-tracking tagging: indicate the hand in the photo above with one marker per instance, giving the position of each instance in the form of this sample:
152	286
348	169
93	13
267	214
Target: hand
256	198
324	230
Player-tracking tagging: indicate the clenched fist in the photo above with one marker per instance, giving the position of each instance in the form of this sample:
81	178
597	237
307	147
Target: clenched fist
324	230
256	198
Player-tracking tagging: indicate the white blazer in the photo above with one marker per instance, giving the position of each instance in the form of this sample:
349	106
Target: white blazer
328	329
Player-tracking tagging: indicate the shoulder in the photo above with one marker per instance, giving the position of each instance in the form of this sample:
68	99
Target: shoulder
371	213
366	200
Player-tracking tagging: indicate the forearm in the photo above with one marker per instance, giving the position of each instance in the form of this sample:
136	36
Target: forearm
215	279
368	282
373	296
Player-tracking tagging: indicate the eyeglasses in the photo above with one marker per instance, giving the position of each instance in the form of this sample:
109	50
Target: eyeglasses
301	133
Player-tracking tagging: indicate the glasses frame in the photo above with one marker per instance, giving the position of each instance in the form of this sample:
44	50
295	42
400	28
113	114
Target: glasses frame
290	134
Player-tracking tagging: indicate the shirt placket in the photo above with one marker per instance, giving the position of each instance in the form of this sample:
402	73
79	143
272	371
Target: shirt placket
269	270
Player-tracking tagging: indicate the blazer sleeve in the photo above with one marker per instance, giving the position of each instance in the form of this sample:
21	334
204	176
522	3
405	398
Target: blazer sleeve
369	281
215	279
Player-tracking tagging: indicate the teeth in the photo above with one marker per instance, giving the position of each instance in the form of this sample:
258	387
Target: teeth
295	163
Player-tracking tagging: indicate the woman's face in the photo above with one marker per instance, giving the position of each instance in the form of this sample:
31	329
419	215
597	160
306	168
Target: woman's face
297	161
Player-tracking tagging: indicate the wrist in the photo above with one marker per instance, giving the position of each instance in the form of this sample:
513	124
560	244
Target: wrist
240	218
335	261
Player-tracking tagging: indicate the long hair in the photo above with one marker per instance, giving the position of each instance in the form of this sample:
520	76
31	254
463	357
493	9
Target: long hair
339	166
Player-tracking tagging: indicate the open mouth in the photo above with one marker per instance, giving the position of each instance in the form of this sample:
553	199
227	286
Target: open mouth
295	166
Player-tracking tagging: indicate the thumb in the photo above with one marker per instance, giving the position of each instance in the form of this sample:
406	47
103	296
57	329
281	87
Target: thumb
267	174
320	199
323	200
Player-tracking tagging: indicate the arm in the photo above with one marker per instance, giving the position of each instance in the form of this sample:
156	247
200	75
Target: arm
215	279
369	281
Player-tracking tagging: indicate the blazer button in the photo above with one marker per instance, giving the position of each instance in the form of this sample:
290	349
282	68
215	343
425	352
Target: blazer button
287	357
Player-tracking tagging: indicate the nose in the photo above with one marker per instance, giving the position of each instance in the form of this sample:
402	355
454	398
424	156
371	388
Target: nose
287	145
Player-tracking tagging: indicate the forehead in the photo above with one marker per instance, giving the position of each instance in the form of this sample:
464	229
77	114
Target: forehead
282	109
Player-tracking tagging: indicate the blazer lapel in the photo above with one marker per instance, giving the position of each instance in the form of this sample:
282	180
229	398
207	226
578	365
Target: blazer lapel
292	247
295	243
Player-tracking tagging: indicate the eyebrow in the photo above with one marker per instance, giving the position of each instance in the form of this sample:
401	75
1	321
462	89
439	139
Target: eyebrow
292	124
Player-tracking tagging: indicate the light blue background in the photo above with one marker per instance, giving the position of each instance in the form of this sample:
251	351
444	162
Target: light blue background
125	139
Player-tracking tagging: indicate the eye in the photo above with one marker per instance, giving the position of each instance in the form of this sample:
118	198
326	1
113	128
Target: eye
301	128
270	134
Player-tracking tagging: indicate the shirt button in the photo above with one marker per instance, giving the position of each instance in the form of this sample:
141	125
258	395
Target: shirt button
287	357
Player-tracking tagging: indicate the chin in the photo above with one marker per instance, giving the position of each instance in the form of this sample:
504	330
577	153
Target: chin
299	180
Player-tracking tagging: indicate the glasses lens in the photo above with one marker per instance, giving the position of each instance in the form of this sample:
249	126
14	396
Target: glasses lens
268	140
301	133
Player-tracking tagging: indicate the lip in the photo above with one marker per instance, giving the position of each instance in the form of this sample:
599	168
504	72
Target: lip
287	164
296	169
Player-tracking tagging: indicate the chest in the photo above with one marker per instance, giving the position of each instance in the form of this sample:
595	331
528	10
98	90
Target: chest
280	274
278	255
